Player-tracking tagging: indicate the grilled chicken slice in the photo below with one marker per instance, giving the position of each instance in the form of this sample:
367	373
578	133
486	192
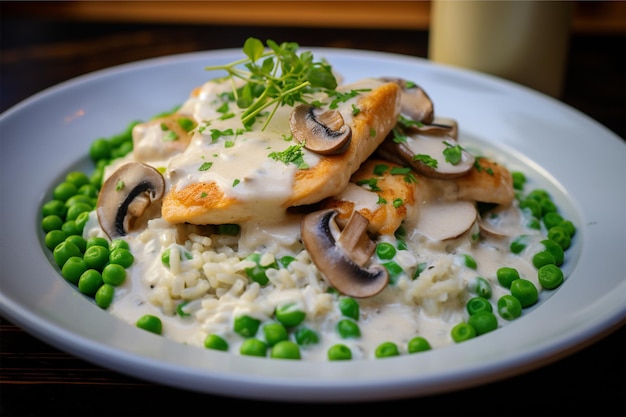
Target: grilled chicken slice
231	175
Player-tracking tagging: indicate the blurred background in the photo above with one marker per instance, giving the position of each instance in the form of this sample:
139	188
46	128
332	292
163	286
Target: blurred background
44	43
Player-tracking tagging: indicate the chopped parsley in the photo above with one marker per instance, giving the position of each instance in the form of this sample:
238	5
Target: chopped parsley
205	166
426	159
453	153
292	154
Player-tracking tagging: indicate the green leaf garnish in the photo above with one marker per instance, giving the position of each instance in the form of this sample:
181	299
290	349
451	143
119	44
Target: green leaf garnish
275	77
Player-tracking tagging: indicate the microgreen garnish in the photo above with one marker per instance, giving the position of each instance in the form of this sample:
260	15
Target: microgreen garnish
186	123
355	110
372	183
426	159
453	153
343	97
292	154
275	77
380	169
205	166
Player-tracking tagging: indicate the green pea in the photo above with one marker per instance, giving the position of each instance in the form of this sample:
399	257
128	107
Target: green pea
547	207
55	207
483	322
285	261
258	272
121	257
532	206
533	223
96	257
274	333
386	350
519	180
90	281
253	347
469	261
462	332
555	249
53	238
51	222
394	270
81	220
75	209
349	307
550	276
97	241
482	287
104	296
560	236
506	275
305	336
539	194
77	178
285	349
70	227
246	326
150	323
552	219
64	191
213	341
543	258
79	198
100	149
339	352
114	274
290	315
478	304
73	268
568	226
519	244
78	241
348	329
509	307
88	190
418	344
64	251
119	244
385	250
525	291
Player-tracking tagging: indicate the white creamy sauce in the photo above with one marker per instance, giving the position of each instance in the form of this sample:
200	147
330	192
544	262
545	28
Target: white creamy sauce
208	272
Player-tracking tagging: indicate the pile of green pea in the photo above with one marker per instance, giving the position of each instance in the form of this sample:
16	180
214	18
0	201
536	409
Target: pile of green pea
284	335
94	265
541	210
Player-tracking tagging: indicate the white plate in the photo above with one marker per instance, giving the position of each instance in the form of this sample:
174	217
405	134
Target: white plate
579	161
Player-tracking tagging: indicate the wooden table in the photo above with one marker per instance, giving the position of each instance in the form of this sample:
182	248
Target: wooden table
37	379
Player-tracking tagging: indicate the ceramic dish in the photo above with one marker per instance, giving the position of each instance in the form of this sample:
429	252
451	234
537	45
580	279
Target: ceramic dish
579	161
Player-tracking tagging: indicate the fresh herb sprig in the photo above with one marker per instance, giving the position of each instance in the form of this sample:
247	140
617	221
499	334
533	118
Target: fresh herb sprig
274	77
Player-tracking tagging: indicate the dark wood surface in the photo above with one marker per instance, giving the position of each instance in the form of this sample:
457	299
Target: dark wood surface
39	380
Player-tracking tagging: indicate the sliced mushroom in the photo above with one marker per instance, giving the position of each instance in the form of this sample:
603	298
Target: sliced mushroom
446	220
322	132
501	221
439	127
414	102
341	256
126	196
426	155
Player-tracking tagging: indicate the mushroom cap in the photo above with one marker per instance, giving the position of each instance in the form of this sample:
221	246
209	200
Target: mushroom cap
322	132
126	195
414	102
433	146
341	255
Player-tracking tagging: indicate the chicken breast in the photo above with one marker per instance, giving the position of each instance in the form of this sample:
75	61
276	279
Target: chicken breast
229	174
